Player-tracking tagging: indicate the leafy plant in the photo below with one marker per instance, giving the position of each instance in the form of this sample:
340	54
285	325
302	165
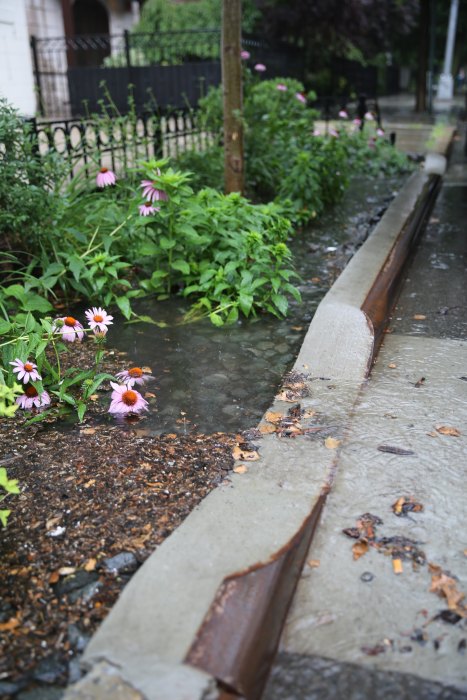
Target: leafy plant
9	486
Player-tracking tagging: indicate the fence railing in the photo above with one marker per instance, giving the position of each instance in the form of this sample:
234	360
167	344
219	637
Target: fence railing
170	69
119	144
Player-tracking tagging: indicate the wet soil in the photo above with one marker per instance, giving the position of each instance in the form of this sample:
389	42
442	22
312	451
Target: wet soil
94	503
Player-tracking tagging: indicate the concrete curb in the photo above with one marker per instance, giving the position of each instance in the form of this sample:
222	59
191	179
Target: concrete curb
204	596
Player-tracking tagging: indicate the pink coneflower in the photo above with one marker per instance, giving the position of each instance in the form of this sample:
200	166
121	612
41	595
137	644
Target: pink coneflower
148	209
380	132
27	371
260	67
150	191
372	142
333	133
105	177
32	398
281	87
369	116
99	320
134	375
126	400
301	98
357	121
316	132
343	114
245	55
70	329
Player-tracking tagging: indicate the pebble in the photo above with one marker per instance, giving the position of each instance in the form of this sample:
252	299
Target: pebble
125	562
367	576
86	593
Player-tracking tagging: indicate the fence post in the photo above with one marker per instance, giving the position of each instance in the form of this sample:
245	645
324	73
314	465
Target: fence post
37	77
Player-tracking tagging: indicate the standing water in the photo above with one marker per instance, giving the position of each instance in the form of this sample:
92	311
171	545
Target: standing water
223	379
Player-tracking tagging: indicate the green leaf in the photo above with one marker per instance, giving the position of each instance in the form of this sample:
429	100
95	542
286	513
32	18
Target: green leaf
233	315
216	320
245	302
5	327
124	305
76	266
280	302
182	266
4	516
166	243
81	410
37	303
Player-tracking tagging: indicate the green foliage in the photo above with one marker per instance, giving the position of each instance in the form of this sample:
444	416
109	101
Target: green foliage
222	251
9	486
165	16
29	184
207	168
8	407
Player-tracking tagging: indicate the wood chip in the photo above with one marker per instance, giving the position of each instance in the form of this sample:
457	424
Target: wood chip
447	430
90	564
392	365
240	469
314	563
397	566
419	317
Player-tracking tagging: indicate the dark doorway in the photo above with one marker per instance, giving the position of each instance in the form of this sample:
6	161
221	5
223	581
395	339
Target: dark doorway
90	17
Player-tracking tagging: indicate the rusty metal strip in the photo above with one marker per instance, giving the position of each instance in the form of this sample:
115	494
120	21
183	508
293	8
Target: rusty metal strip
384	293
238	638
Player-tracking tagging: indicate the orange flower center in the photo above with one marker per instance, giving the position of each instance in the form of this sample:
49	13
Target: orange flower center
97	318
104	170
70	321
30	392
135	372
129	397
28	367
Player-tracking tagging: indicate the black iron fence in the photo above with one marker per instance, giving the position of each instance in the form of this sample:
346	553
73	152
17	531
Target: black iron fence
165	70
120	143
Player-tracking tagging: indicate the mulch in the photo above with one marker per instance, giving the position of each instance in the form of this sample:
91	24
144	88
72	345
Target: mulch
90	493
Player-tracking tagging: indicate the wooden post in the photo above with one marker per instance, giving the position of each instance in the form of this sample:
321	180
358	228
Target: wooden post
233	100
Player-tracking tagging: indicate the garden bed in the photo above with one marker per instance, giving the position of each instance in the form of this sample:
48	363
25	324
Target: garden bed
101	491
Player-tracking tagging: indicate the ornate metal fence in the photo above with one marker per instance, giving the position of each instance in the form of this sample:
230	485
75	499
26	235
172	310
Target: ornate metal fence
120	143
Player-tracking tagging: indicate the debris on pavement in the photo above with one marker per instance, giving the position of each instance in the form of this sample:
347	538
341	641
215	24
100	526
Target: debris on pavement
401	451
405	505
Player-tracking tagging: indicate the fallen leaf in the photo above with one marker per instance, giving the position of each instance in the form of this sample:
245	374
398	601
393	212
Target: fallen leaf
359	549
287	396
264	429
248	456
331	443
171	436
445	586
54	576
241	469
87	431
397	566
405	505
273	416
94	397
419	317
447	430
314	563
9	625
392	365
90	565
395	450
52	522
150	395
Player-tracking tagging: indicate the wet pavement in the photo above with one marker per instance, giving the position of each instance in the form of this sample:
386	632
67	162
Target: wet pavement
368	621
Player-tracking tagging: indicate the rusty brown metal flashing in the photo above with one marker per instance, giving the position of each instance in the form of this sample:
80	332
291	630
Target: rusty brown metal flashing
238	638
384	293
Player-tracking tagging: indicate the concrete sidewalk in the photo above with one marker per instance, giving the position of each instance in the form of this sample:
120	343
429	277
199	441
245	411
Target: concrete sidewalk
356	628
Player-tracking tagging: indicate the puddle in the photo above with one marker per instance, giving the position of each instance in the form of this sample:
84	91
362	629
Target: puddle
224	379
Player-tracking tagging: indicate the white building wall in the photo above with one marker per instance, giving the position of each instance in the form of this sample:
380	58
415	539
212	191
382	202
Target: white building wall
45	18
16	76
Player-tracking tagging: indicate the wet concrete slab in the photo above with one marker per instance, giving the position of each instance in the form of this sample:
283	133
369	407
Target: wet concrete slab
360	611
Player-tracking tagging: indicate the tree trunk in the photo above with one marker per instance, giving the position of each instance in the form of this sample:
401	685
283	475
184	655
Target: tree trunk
232	91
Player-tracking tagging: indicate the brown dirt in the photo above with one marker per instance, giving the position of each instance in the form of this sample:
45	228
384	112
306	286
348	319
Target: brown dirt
88	492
